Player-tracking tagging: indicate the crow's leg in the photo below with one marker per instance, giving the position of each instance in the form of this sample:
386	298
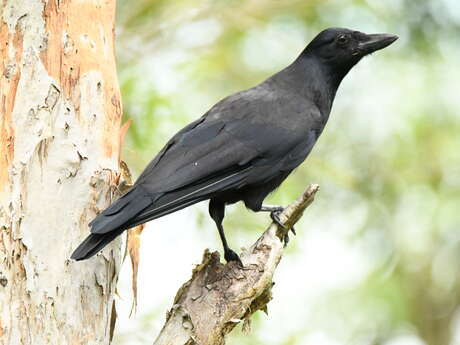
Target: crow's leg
275	212
217	213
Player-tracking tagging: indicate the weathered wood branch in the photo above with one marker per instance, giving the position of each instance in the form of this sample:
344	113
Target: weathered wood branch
219	296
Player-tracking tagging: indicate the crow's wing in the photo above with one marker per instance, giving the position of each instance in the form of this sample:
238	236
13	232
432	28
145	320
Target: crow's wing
255	124
245	139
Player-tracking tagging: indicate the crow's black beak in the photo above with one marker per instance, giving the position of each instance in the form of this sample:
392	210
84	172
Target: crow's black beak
375	42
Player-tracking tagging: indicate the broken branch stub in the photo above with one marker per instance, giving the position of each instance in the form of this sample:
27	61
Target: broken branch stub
219	296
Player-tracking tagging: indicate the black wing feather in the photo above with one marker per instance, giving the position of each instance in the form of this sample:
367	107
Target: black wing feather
247	138
121	211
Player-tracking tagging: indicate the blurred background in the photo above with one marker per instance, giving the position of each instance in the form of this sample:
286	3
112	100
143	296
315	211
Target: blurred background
377	255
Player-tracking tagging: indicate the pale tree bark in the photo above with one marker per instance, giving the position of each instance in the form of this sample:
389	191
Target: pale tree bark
218	296
59	152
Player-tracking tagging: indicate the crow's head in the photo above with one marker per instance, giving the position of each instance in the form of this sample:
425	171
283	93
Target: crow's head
343	48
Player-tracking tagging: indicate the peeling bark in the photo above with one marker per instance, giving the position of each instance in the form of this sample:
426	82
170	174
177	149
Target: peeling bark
59	152
218	296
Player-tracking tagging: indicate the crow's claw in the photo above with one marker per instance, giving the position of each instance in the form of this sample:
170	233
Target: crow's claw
230	255
274	215
286	239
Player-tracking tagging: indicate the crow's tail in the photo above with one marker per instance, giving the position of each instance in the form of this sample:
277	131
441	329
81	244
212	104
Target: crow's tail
112	222
93	244
138	206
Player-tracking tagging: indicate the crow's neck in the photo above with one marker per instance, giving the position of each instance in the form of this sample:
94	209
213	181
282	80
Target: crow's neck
316	81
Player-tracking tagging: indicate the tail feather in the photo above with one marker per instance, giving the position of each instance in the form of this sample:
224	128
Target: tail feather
93	244
137	207
112	222
121	211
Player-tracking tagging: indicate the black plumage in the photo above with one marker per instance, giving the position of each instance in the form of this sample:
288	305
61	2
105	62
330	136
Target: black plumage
244	146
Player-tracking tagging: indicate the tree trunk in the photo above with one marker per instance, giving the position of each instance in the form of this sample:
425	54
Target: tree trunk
59	151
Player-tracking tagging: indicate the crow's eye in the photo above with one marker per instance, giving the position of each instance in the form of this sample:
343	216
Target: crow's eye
342	39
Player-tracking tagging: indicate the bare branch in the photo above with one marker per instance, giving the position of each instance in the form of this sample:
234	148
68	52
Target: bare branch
219	296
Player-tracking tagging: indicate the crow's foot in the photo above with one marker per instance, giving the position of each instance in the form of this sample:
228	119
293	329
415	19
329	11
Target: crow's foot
230	255
275	216
286	239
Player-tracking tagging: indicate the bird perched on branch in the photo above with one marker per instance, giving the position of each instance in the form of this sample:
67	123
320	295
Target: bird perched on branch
244	147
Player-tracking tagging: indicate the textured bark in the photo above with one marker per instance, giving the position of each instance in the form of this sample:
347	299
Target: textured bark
218	296
59	152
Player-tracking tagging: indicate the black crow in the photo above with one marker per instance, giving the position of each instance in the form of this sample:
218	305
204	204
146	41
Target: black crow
244	146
